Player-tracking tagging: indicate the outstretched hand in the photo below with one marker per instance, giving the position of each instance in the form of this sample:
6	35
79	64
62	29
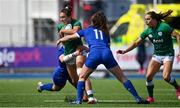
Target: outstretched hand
120	52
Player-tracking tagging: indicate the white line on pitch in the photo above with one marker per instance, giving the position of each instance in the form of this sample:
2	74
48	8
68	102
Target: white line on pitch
55	101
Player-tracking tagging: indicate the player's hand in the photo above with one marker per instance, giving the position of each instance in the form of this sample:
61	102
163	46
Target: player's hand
58	42
120	52
77	52
61	34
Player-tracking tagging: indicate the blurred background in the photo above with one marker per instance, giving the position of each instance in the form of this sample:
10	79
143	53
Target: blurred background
28	30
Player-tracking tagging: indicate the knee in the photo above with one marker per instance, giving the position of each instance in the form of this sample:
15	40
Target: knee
166	78
79	64
56	88
80	61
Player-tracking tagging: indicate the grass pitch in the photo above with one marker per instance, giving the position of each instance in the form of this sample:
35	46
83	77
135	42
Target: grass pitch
109	92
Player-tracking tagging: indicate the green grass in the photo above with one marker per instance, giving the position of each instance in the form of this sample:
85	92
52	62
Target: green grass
110	93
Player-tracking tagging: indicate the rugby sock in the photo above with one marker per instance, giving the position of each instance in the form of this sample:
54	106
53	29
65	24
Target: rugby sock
173	82
128	85
47	87
90	93
150	87
80	91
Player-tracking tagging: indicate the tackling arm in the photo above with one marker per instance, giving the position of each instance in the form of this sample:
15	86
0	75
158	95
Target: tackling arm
68	57
66	38
70	31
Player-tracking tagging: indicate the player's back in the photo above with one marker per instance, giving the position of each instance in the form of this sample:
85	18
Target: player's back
95	38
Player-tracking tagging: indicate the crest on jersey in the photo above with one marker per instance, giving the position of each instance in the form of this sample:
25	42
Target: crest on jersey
150	35
160	33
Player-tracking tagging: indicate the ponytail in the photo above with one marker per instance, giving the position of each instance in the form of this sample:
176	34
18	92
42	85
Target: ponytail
165	14
159	16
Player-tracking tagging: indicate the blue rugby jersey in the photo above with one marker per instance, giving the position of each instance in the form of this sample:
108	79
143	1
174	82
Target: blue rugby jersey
95	38
99	45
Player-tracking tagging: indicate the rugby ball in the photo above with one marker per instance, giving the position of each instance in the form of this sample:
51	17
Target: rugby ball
68	26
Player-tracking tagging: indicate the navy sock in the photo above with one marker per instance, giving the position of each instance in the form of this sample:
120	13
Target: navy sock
47	87
173	82
80	90
128	85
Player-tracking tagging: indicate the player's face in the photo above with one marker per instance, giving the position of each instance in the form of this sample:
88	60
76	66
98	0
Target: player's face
150	21
63	18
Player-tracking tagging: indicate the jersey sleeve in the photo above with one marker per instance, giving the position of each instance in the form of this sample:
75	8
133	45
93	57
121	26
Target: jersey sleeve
80	33
168	29
143	35
77	23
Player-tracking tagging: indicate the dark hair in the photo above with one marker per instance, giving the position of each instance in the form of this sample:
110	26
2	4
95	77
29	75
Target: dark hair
159	16
67	10
99	21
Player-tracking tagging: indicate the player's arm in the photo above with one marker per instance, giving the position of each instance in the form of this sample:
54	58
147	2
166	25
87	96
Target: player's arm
59	28
70	31
61	34
68	57
131	47
66	38
177	36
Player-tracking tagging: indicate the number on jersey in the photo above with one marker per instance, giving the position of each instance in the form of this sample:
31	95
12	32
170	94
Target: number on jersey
98	34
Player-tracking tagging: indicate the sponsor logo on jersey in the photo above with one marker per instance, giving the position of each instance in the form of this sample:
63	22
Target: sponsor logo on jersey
157	40
160	33
150	35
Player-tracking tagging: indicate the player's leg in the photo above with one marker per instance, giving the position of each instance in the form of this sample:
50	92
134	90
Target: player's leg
49	87
71	68
153	67
167	76
141	60
85	97
81	83
59	81
118	73
88	87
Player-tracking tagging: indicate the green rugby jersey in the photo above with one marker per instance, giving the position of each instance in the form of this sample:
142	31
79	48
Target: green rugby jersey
70	46
161	39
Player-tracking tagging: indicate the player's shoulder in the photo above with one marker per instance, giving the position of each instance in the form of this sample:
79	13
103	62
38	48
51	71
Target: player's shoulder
165	27
147	30
163	24
75	21
89	29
